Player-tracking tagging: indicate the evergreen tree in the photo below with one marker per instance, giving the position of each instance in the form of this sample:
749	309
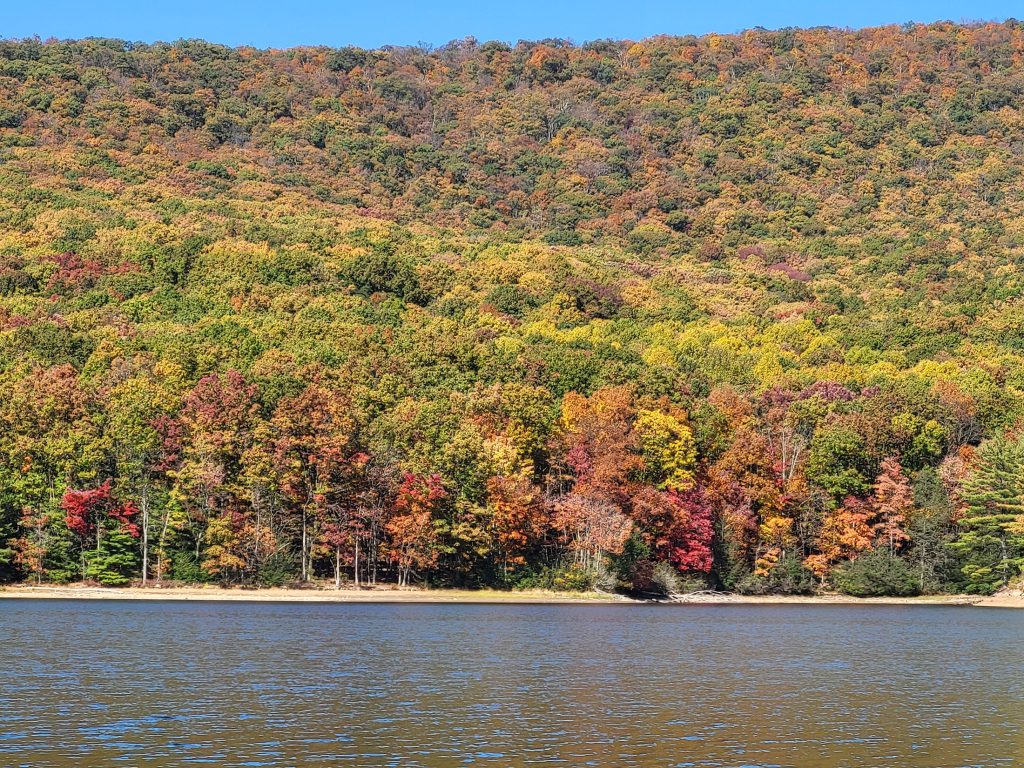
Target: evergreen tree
992	541
115	561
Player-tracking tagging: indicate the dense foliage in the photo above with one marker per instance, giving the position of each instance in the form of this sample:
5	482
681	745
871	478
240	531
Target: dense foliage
739	310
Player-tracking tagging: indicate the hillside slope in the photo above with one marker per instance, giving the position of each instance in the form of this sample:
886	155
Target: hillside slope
740	307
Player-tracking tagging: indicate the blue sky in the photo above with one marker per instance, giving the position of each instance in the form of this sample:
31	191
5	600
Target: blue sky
283	23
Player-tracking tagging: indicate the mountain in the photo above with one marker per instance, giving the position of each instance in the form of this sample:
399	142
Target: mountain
738	308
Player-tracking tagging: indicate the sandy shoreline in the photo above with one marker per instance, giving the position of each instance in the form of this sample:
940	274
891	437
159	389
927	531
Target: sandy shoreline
282	595
392	595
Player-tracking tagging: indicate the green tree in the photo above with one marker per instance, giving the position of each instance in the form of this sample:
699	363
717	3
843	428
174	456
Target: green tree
115	561
838	462
137	409
992	541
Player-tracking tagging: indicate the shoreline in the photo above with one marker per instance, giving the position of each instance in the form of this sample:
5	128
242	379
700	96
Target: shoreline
312	595
484	596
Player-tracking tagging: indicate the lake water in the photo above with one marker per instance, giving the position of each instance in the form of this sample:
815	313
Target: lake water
89	683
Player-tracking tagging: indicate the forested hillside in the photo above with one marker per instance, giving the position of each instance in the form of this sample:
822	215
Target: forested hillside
739	310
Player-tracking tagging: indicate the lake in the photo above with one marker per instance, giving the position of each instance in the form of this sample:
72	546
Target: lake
91	683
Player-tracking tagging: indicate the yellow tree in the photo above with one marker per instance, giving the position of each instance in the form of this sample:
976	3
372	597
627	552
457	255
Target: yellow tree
666	442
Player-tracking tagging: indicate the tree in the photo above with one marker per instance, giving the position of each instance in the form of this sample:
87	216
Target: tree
591	527
343	516
516	518
992	541
597	447
222	546
31	547
336	536
691	547
49	440
846	533
931	531
142	433
893	504
220	419
169	433
678	526
412	528
776	540
744	489
597	444
311	453
668	448
105	529
369	521
838	461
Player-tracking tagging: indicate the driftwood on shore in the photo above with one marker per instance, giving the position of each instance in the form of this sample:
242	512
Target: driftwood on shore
699	596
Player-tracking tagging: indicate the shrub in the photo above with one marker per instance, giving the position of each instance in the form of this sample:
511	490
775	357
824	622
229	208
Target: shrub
279	569
788	577
569	578
185	567
876	574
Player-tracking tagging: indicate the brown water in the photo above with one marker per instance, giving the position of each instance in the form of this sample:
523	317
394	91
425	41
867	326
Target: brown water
86	683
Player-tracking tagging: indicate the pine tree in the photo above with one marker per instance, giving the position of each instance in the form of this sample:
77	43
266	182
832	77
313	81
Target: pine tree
992	541
115	560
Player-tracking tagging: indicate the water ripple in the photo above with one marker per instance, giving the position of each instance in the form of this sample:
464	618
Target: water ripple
425	686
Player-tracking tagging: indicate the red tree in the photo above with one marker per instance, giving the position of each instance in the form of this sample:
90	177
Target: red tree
311	457
412	530
85	512
892	502
90	513
690	542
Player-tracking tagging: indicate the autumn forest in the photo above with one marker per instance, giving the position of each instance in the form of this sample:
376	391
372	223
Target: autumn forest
737	312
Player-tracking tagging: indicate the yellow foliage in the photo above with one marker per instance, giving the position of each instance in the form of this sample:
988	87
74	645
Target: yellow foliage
668	447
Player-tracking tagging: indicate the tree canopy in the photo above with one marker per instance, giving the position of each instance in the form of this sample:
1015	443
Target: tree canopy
742	306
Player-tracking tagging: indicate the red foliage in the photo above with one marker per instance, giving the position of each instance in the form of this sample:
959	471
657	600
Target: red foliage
744	252
828	391
413	537
80	508
417	493
690	548
221	407
790	271
171	434
77	274
85	510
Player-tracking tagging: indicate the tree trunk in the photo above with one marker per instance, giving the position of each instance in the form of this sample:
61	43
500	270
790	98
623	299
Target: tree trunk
373	555
337	567
355	570
305	572
161	543
145	534
1004	563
